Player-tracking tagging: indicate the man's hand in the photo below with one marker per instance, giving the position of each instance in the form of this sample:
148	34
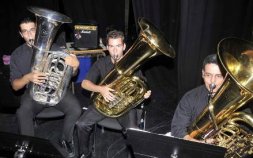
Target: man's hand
72	61
106	92
37	77
147	94
208	141
34	77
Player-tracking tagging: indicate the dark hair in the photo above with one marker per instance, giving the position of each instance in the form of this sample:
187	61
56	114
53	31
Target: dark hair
115	34
26	20
210	59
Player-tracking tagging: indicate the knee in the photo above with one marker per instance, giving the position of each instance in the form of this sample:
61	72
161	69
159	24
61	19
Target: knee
83	125
74	110
24	111
80	124
19	112
77	112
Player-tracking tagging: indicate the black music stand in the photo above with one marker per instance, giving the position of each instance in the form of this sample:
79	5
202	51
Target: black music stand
13	145
150	145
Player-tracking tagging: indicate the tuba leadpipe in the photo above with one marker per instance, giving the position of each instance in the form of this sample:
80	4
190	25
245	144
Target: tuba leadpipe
51	63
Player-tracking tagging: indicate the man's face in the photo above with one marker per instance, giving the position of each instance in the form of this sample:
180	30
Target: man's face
28	31
116	48
212	75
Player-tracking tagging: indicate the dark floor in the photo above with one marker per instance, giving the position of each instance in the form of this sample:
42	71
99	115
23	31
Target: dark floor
109	143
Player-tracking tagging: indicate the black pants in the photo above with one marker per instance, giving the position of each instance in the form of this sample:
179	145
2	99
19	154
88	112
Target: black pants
29	108
85	125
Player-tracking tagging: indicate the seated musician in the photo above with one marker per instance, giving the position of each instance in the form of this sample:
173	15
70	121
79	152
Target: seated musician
194	101
116	47
21	76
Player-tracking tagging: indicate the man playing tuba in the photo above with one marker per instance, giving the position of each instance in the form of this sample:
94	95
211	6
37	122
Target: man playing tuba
116	47
21	76
194	101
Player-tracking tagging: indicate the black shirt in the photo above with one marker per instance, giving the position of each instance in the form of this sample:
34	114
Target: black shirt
188	109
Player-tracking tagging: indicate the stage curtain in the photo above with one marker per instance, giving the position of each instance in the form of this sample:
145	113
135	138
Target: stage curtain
203	23
161	70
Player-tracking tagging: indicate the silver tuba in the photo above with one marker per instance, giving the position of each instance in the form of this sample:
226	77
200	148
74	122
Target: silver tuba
50	62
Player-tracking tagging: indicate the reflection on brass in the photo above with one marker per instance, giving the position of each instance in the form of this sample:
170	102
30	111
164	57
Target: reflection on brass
234	127
129	89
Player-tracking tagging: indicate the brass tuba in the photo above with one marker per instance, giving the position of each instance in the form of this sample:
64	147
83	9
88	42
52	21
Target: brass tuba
49	62
129	89
230	128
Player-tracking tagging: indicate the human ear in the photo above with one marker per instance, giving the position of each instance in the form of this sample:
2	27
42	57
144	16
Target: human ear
203	73
124	46
21	34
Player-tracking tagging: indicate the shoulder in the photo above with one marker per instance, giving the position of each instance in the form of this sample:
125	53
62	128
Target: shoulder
18	50
194	98
196	92
21	51
103	61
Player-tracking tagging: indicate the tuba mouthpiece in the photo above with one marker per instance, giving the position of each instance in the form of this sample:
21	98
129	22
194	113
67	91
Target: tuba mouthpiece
31	42
212	86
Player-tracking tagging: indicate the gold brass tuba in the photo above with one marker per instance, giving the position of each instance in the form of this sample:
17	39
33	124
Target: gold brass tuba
230	128
129	89
49	62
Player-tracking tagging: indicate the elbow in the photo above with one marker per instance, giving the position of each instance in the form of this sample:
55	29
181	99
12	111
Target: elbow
15	88
84	83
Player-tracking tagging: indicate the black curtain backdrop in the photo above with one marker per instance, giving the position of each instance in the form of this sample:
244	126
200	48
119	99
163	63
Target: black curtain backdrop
11	14
192	27
203	23
161	70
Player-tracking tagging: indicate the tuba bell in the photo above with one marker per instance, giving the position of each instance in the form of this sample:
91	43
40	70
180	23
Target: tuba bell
129	89
230	128
50	62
